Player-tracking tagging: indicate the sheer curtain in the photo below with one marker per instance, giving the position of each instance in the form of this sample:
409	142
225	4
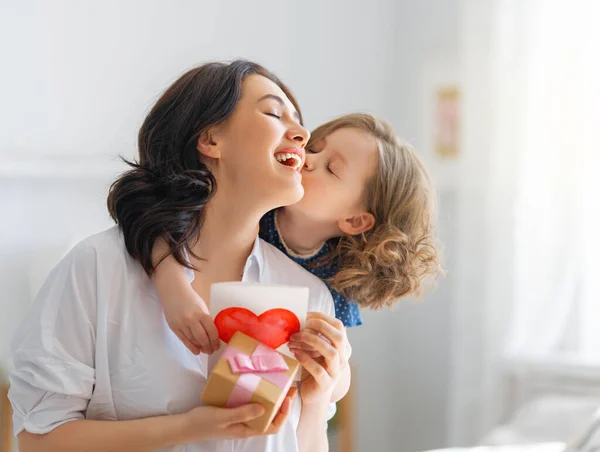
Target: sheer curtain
528	273
556	312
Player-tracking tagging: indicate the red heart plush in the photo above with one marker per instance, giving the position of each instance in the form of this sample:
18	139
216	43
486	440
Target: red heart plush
273	327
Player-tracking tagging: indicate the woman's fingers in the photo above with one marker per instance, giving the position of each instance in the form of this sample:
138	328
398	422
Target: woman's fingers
330	328
314	354
284	411
333	321
335	336
235	418
320	374
292	392
319	344
239	415
325	349
300	346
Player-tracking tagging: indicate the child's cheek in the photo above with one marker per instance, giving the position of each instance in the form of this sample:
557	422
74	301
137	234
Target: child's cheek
319	185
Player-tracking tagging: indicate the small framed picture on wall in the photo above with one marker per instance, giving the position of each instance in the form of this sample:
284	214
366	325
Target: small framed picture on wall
440	121
447	122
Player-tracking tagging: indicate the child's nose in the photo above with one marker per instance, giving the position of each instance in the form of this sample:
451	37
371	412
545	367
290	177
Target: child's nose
309	163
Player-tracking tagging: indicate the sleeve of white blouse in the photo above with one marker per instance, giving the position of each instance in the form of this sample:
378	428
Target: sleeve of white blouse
327	306
53	349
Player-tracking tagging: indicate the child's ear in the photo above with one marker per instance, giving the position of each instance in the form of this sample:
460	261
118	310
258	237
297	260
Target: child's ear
357	224
207	145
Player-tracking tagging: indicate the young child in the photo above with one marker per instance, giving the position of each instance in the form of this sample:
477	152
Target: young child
364	226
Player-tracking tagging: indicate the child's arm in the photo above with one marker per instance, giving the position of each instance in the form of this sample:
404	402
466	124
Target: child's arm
186	313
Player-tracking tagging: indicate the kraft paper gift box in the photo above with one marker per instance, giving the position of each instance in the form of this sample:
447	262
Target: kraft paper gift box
250	372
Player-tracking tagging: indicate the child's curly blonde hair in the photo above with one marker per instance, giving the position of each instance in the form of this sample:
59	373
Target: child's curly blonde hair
391	260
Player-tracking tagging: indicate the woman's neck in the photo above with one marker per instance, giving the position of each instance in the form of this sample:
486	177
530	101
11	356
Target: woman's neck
300	234
227	235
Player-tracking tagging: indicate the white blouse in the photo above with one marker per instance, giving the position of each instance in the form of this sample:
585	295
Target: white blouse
95	345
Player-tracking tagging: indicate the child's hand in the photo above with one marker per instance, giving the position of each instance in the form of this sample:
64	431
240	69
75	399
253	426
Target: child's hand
190	320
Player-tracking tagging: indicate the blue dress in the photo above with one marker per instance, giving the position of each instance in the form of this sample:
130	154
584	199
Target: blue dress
345	310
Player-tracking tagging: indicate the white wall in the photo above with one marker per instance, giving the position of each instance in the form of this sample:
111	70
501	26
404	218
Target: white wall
77	78
412	387
82	74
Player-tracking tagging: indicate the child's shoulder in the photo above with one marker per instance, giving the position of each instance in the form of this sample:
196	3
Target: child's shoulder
346	310
267	227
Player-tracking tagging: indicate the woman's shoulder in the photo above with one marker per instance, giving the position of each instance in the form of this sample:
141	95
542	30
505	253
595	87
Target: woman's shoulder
106	243
110	240
278	263
71	289
101	253
280	269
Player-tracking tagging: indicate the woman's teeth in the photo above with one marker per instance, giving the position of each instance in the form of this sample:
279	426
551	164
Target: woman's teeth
291	160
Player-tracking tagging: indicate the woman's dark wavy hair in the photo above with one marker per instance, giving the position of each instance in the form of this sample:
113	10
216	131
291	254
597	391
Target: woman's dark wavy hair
164	193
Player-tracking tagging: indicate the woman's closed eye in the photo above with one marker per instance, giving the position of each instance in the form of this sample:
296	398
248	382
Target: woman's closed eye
273	114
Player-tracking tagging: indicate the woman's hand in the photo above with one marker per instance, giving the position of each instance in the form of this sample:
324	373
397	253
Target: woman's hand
207	422
326	337
313	318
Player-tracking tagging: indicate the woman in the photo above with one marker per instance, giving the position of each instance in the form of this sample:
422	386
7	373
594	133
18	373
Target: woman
96	366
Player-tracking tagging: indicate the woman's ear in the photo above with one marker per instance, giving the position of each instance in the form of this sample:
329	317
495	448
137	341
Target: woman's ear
207	145
357	224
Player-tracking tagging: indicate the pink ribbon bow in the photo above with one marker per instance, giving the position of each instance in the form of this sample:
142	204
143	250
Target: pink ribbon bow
263	363
242	364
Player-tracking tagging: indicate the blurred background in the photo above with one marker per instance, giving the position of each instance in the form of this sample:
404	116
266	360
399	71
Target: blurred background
501	99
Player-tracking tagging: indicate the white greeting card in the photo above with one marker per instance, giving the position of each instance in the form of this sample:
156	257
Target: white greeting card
269	313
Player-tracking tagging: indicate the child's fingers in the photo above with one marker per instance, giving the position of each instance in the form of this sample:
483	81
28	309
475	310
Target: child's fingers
191	346
211	331
196	331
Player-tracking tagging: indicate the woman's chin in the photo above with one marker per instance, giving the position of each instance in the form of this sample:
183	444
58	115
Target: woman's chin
284	189
289	196
294	195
